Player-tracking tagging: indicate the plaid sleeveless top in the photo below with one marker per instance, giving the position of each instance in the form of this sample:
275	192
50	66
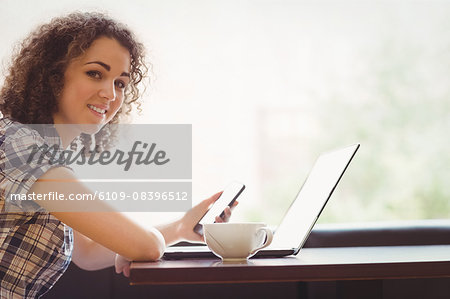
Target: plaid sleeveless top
35	247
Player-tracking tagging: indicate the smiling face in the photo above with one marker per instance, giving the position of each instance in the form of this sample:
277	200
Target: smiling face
94	84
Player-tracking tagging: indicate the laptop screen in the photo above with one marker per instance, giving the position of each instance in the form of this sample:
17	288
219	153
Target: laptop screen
317	189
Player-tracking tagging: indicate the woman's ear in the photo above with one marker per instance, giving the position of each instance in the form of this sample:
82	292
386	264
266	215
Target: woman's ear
56	82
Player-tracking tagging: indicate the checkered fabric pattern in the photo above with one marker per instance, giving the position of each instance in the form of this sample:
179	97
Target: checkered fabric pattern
35	247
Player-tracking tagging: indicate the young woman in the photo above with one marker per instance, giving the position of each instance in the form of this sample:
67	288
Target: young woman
83	68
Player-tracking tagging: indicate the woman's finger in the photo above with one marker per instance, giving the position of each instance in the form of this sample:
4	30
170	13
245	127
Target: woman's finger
126	271
204	205
234	205
227	212
214	197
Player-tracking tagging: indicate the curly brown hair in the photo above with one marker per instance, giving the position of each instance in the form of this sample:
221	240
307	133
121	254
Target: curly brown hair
36	76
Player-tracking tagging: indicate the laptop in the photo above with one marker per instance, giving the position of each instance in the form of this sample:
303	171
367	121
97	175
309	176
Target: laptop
294	229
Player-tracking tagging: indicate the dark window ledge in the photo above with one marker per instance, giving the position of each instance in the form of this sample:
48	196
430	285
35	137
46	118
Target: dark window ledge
399	233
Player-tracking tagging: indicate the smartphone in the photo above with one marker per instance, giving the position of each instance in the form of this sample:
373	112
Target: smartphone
227	198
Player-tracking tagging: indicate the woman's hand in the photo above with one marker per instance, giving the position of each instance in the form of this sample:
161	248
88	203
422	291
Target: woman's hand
122	265
183	229
193	216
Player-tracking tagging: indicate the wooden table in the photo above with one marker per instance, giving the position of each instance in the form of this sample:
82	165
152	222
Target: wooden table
311	264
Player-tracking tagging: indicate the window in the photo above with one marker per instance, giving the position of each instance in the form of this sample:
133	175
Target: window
268	85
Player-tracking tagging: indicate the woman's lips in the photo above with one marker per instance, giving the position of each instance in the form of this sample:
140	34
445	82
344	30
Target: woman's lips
97	111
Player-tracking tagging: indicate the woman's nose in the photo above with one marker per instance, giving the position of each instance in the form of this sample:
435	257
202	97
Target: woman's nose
108	91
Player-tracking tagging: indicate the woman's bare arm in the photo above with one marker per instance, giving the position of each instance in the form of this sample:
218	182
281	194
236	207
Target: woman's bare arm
89	255
98	236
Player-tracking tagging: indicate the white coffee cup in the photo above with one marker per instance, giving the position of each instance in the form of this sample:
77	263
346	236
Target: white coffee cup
234	242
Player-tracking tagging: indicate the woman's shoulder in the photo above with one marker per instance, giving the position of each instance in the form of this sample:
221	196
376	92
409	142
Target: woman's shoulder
12	131
15	128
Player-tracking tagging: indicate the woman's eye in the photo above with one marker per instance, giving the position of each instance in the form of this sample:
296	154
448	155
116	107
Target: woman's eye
120	84
94	74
